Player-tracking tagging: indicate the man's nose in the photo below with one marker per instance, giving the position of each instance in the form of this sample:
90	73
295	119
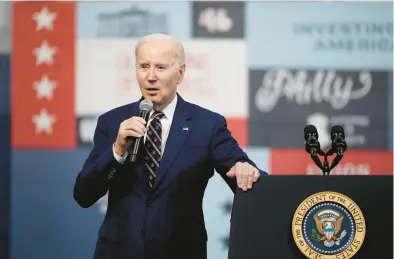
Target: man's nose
152	75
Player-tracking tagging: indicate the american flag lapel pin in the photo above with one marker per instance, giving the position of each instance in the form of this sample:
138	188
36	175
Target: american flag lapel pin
185	128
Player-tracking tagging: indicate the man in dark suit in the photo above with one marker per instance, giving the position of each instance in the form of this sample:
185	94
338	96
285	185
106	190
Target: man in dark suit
155	204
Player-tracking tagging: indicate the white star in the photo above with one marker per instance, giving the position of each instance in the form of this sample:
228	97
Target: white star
44	121
44	53
44	19
44	88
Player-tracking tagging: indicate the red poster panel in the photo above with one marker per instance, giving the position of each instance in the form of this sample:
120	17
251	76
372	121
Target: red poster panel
43	54
239	130
355	162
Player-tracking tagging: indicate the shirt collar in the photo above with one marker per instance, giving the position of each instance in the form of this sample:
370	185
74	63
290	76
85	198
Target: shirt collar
169	110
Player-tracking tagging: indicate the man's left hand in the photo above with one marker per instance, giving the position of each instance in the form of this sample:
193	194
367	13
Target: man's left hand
245	174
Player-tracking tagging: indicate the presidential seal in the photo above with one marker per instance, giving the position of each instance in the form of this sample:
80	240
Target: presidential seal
328	225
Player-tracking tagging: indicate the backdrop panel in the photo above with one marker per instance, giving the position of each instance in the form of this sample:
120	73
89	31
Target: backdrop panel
133	19
320	34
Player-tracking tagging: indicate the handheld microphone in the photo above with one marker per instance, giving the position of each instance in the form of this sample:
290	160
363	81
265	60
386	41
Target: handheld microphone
146	107
339	145
312	145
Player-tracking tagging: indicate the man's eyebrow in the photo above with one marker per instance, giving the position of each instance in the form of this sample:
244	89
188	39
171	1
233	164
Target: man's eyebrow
158	63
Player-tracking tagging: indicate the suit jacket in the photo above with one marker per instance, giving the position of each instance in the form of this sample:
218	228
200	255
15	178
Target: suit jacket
165	221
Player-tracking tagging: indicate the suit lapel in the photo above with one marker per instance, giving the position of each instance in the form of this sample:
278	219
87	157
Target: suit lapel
180	129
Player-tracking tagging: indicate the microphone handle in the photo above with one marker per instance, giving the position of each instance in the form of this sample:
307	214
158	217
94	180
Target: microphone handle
135	142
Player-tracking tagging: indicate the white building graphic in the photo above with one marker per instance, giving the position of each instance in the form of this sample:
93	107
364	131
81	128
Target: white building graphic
133	22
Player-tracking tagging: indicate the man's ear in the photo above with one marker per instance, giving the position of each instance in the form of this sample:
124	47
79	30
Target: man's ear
182	71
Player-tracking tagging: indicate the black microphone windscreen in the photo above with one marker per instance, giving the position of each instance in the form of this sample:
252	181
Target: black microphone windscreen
310	129
336	130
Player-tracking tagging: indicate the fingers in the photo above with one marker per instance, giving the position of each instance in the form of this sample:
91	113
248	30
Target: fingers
249	179
139	119
133	127
231	173
245	174
132	133
256	175
239	175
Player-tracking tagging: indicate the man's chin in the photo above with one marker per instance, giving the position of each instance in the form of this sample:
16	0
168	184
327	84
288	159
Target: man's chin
151	97
155	99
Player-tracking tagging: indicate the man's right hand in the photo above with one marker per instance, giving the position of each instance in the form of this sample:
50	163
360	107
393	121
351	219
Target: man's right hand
133	127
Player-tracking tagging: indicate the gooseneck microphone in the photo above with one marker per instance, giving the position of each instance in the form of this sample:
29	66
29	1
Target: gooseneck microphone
146	107
312	145
339	145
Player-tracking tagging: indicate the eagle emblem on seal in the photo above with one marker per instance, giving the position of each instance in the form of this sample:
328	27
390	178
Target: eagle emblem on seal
328	224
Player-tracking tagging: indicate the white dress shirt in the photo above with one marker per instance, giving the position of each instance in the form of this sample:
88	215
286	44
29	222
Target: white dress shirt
166	121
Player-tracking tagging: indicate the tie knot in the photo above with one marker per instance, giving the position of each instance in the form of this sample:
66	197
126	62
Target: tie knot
157	115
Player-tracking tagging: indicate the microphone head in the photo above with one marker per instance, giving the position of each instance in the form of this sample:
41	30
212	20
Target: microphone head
337	130
146	105
310	130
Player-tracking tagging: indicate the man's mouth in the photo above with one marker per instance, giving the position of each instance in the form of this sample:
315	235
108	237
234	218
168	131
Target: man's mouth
152	89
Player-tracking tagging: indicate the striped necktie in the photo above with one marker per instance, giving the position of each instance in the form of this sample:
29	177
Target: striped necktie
153	146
